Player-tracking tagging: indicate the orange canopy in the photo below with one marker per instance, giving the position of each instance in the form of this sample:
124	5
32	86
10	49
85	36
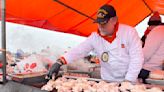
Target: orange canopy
53	15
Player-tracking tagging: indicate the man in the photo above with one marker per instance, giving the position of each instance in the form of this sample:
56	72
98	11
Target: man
154	21
151	44
153	52
118	47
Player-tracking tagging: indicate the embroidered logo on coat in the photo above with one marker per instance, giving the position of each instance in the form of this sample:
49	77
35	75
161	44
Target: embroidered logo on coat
105	57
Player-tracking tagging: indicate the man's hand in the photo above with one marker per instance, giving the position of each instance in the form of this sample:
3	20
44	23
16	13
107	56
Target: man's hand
54	70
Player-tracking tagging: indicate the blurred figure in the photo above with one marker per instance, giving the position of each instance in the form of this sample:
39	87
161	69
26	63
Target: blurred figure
154	21
153	52
19	55
10	59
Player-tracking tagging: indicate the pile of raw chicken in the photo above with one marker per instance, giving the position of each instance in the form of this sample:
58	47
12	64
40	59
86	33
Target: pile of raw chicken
83	85
157	75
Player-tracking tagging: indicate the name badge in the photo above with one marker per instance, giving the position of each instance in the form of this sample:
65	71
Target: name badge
105	57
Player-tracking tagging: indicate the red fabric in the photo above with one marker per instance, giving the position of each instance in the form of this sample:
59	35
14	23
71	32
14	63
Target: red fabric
63	60
147	32
51	15
97	61
33	65
1	65
26	66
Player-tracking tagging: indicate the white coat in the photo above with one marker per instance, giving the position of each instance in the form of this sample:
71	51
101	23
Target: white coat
154	49
125	54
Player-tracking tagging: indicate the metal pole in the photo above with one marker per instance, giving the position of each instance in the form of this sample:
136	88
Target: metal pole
74	9
4	38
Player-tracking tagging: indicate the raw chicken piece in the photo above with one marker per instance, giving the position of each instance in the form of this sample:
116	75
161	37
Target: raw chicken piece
114	89
139	87
60	90
92	89
157	74
51	82
126	86
68	84
58	87
110	88
63	79
66	89
71	80
135	90
47	88
82	80
60	81
113	84
100	90
91	83
154	89
87	91
77	89
95	86
81	87
63	89
102	83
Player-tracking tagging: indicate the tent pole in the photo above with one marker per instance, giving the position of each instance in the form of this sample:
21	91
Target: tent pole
74	9
3	35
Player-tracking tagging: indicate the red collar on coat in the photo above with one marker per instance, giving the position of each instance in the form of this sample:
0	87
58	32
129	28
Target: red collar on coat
147	32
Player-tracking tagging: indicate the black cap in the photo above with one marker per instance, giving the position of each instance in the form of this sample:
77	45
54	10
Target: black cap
105	13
